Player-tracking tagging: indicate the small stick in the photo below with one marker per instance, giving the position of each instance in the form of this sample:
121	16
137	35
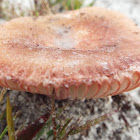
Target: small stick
53	114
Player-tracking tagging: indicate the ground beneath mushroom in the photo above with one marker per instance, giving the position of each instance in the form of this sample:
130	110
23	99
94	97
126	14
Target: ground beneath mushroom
124	125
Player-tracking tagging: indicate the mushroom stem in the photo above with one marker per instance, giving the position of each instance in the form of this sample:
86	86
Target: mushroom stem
53	114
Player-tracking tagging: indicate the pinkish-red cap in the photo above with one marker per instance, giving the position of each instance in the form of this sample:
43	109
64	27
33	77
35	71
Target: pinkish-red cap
87	53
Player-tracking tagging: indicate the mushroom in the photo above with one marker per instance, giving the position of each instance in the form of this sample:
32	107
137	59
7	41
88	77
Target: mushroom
86	53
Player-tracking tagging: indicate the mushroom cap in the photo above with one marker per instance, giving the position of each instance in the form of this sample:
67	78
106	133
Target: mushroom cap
86	53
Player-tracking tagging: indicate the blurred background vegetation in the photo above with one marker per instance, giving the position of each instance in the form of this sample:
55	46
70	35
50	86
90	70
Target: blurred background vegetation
9	10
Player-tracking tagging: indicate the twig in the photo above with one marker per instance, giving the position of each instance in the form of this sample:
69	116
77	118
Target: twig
53	114
125	120
2	93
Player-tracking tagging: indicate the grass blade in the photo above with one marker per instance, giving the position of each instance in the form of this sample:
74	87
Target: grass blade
33	129
10	123
49	122
3	133
98	120
62	130
81	128
40	133
50	133
92	3
6	128
78	4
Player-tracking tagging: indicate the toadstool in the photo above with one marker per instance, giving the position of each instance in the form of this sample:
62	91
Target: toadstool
86	53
